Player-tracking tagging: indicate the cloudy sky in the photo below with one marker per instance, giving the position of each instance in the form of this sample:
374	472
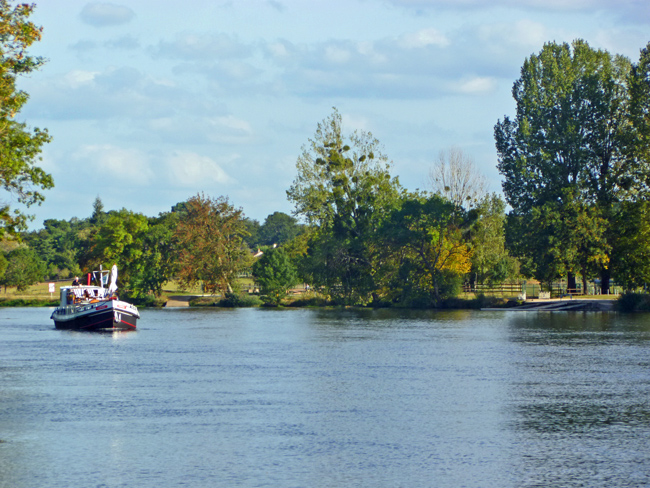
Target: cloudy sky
150	102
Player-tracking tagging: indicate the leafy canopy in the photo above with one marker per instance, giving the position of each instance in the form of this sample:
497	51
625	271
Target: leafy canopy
20	146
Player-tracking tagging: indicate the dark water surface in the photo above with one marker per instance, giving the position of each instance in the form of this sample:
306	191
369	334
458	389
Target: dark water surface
323	398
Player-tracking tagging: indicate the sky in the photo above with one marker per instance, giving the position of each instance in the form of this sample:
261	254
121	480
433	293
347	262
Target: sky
150	102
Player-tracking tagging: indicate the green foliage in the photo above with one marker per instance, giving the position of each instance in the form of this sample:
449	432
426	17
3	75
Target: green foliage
344	189
275	274
121	240
21	302
211	244
491	262
278	228
24	268
566	159
59	246
252	227
427	233
144	300
630	238
633	302
20	146
99	216
569	128
236	300
158	261
310	300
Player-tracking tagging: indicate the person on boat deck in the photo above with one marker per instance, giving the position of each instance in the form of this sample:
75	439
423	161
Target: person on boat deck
76	281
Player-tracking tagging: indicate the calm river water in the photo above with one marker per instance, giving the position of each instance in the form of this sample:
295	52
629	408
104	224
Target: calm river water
325	398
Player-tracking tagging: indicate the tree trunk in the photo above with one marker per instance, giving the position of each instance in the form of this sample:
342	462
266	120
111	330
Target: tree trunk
571	283
584	281
605	276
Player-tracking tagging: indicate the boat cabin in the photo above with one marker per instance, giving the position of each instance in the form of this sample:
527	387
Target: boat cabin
72	295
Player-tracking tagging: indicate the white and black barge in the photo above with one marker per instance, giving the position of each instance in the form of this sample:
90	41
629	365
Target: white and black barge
94	308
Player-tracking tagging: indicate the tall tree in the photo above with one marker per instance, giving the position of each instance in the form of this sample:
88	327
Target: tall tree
568	138
211	244
20	146
456	177
345	190
637	184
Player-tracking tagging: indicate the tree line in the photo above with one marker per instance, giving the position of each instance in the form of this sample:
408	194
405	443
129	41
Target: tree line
358	236
576	179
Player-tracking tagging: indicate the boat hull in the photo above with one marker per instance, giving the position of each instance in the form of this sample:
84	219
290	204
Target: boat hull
107	316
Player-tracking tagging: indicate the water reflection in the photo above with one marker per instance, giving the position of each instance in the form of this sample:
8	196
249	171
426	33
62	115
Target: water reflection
323	398
578	397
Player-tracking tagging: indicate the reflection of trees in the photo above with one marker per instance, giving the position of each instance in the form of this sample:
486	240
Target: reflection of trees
580	417
576	328
578	398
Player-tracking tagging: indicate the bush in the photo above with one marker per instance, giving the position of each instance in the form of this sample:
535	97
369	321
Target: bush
634	302
310	300
234	300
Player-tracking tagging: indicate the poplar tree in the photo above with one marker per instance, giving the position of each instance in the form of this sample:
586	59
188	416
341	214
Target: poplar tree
567	146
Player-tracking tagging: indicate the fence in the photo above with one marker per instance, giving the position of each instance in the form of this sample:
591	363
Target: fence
532	290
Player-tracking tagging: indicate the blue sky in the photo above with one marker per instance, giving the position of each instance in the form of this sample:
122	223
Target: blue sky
150	102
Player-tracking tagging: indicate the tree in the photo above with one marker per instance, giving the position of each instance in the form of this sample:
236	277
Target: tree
211	243
631	243
120	240
344	189
456	177
57	244
637	184
24	268
253	231
278	228
565	237
491	262
159	256
19	146
569	139
275	274
99	216
428	233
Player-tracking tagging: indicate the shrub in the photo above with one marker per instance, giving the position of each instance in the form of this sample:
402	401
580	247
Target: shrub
634	302
234	300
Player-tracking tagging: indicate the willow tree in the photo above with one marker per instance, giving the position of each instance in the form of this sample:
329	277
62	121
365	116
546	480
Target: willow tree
20	146
569	138
344	190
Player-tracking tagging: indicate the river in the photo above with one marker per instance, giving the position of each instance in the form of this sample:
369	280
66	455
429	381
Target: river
327	398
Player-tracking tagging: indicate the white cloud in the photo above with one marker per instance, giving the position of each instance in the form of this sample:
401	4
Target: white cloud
202	47
77	78
424	38
529	33
107	162
478	85
105	14
191	169
229	129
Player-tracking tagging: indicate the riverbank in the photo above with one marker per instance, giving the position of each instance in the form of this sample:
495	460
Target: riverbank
38	296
